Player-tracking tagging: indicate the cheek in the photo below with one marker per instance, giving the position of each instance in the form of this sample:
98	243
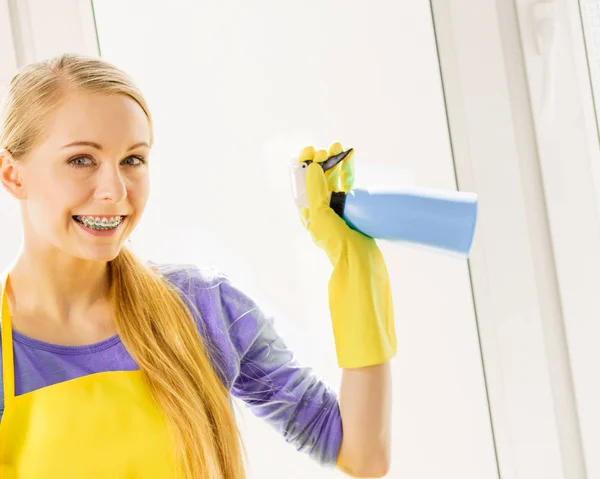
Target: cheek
138	194
53	200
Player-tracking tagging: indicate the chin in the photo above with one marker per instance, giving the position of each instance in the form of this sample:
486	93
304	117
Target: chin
100	255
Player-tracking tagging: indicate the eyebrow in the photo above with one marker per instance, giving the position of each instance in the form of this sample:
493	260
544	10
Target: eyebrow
99	147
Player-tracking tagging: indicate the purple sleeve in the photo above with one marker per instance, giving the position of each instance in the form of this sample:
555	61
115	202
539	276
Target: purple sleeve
258	368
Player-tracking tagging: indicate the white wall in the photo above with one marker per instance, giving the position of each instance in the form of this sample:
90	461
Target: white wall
235	90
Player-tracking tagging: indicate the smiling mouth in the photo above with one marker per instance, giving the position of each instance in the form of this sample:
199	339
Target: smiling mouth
100	222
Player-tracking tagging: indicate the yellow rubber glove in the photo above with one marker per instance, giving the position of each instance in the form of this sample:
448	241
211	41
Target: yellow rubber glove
360	297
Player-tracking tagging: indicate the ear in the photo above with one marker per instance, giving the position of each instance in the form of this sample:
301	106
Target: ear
9	175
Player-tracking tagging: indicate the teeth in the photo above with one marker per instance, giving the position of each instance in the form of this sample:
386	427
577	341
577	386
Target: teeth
100	223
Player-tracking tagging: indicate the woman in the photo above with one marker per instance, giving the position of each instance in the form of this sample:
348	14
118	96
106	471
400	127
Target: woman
116	368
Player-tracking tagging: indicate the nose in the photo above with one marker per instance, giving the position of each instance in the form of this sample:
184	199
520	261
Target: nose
111	185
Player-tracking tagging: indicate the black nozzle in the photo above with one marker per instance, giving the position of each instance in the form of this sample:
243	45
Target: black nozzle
332	160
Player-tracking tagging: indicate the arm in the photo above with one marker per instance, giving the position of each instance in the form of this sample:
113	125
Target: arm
365	403
255	364
290	397
302	407
362	314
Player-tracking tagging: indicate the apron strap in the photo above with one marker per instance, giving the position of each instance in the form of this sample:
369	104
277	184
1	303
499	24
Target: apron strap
8	369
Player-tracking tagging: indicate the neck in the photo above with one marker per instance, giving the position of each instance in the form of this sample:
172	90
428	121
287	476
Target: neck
55	287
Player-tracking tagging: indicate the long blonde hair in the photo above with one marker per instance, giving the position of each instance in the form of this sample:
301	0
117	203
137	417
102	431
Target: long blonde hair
154	323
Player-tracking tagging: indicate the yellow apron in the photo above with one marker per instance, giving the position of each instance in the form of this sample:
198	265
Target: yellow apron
104	425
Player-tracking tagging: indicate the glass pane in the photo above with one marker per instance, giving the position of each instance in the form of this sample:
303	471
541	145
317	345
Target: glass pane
236	89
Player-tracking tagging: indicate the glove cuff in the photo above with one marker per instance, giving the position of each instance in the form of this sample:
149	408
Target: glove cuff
362	312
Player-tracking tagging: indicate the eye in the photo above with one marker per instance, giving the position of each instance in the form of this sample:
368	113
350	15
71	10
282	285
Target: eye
78	161
86	161
140	161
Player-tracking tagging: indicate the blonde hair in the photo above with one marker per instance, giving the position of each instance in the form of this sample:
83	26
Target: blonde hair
153	321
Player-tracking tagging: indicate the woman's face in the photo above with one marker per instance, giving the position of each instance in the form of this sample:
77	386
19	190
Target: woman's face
91	167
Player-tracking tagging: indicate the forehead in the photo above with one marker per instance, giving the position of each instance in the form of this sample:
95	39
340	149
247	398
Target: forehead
109	119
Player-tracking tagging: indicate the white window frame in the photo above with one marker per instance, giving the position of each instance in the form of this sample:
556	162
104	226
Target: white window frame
569	158
41	29
533	302
8	60
524	283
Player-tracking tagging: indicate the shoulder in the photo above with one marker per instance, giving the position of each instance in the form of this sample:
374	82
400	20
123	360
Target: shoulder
188	276
216	305
224	309
200	288
211	290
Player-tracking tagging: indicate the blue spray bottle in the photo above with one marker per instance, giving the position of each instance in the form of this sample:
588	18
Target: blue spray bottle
437	220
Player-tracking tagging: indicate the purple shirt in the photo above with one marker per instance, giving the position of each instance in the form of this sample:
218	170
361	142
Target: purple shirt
251	360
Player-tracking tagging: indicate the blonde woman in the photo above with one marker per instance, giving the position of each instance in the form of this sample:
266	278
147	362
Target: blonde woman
117	368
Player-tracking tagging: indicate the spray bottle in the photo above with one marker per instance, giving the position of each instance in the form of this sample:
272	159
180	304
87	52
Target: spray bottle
433	219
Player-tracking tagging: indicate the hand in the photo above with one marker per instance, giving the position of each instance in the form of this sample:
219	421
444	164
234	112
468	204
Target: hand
328	230
360	299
